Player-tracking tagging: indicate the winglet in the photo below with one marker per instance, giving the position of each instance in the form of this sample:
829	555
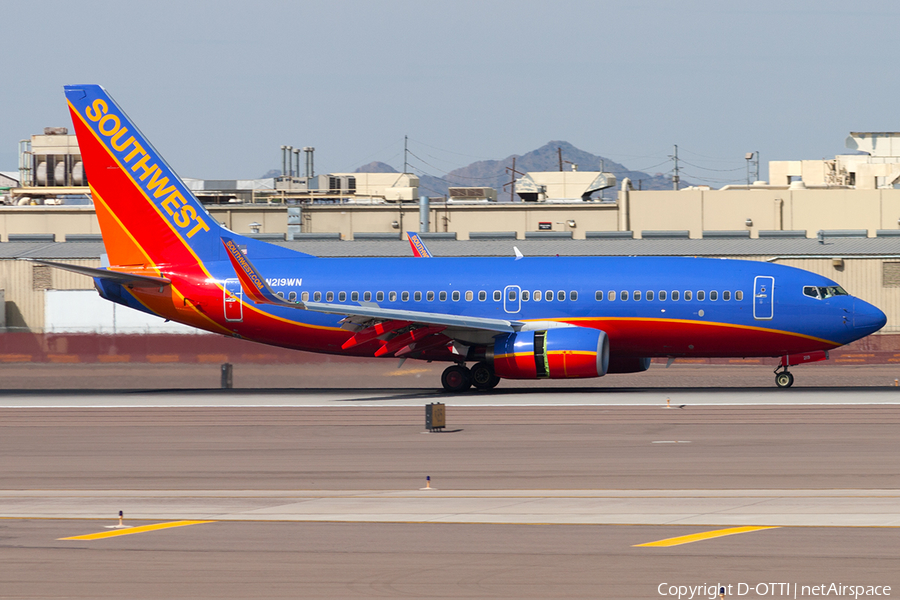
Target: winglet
418	246
254	284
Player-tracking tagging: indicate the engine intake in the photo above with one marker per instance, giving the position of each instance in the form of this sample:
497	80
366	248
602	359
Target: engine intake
560	353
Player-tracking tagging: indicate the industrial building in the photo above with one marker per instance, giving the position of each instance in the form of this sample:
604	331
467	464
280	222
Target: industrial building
839	218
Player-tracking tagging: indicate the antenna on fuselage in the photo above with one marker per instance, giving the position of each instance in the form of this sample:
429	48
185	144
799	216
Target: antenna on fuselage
518	253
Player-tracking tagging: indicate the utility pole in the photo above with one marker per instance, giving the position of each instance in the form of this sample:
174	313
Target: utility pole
675	178
512	183
559	153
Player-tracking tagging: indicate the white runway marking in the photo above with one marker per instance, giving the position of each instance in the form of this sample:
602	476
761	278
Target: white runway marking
727	508
405	397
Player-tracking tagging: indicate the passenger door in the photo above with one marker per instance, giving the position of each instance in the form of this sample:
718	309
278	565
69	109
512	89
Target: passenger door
233	296
763	297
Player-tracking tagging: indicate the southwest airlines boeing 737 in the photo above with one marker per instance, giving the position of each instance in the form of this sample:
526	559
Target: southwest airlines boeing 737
515	318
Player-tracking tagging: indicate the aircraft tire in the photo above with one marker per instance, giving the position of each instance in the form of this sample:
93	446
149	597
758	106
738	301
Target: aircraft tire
456	379
784	379
483	377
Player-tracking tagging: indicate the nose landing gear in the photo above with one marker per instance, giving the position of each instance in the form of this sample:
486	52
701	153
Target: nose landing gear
785	378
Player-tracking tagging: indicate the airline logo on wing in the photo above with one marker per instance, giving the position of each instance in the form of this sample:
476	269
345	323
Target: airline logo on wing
150	173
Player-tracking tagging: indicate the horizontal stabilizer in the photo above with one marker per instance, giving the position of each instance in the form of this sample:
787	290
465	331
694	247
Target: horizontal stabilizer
117	276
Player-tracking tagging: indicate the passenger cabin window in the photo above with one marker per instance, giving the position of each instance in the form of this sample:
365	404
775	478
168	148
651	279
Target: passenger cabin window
367	296
726	296
611	295
482	296
404	296
573	295
342	296
623	295
442	296
687	295
701	295
429	296
512	295
455	296
304	296
469	296
714	295
637	294
418	296
329	296
392	296
354	296
537	295
649	295
524	295
498	295
548	296
317	296
598	296
379	296
280	295
560	295
292	296
675	295
739	295
662	294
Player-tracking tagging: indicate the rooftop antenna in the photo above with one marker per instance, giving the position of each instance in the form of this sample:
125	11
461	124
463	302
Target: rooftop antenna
559	153
405	151
752	159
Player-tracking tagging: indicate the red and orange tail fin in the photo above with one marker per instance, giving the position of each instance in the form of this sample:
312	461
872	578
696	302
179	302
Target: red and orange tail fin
147	215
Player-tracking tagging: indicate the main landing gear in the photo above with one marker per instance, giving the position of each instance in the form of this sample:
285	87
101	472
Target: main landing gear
457	378
784	379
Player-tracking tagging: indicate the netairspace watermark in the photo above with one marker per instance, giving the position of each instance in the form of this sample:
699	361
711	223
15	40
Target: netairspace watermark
769	590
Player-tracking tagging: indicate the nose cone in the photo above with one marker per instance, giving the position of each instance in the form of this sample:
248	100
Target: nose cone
867	318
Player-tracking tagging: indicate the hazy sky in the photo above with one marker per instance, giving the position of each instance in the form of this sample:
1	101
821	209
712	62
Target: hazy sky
219	86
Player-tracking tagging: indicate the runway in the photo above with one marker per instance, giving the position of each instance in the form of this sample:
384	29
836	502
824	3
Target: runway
534	493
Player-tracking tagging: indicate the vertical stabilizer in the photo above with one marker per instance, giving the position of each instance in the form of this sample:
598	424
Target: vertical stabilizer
147	215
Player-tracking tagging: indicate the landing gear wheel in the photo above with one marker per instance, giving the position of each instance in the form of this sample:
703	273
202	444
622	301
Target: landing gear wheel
456	378
784	379
483	376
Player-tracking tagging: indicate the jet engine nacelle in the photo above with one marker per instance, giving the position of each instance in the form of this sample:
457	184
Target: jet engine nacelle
624	364
559	353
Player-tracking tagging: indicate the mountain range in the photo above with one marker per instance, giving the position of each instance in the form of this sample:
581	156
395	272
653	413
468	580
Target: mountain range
493	173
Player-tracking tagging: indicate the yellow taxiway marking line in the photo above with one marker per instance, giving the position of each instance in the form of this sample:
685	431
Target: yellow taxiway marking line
698	537
131	530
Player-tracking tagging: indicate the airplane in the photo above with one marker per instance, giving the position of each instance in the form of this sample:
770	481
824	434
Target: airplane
513	317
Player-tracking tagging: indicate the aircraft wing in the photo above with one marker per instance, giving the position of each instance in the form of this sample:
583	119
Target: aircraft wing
412	316
408	330
117	276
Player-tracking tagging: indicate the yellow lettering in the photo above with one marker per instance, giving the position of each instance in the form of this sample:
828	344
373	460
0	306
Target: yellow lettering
142	163
159	185
200	225
171	203
109	119
185	219
137	149
99	109
115	139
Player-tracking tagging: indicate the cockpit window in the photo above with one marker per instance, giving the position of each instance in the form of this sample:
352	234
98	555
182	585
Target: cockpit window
821	293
